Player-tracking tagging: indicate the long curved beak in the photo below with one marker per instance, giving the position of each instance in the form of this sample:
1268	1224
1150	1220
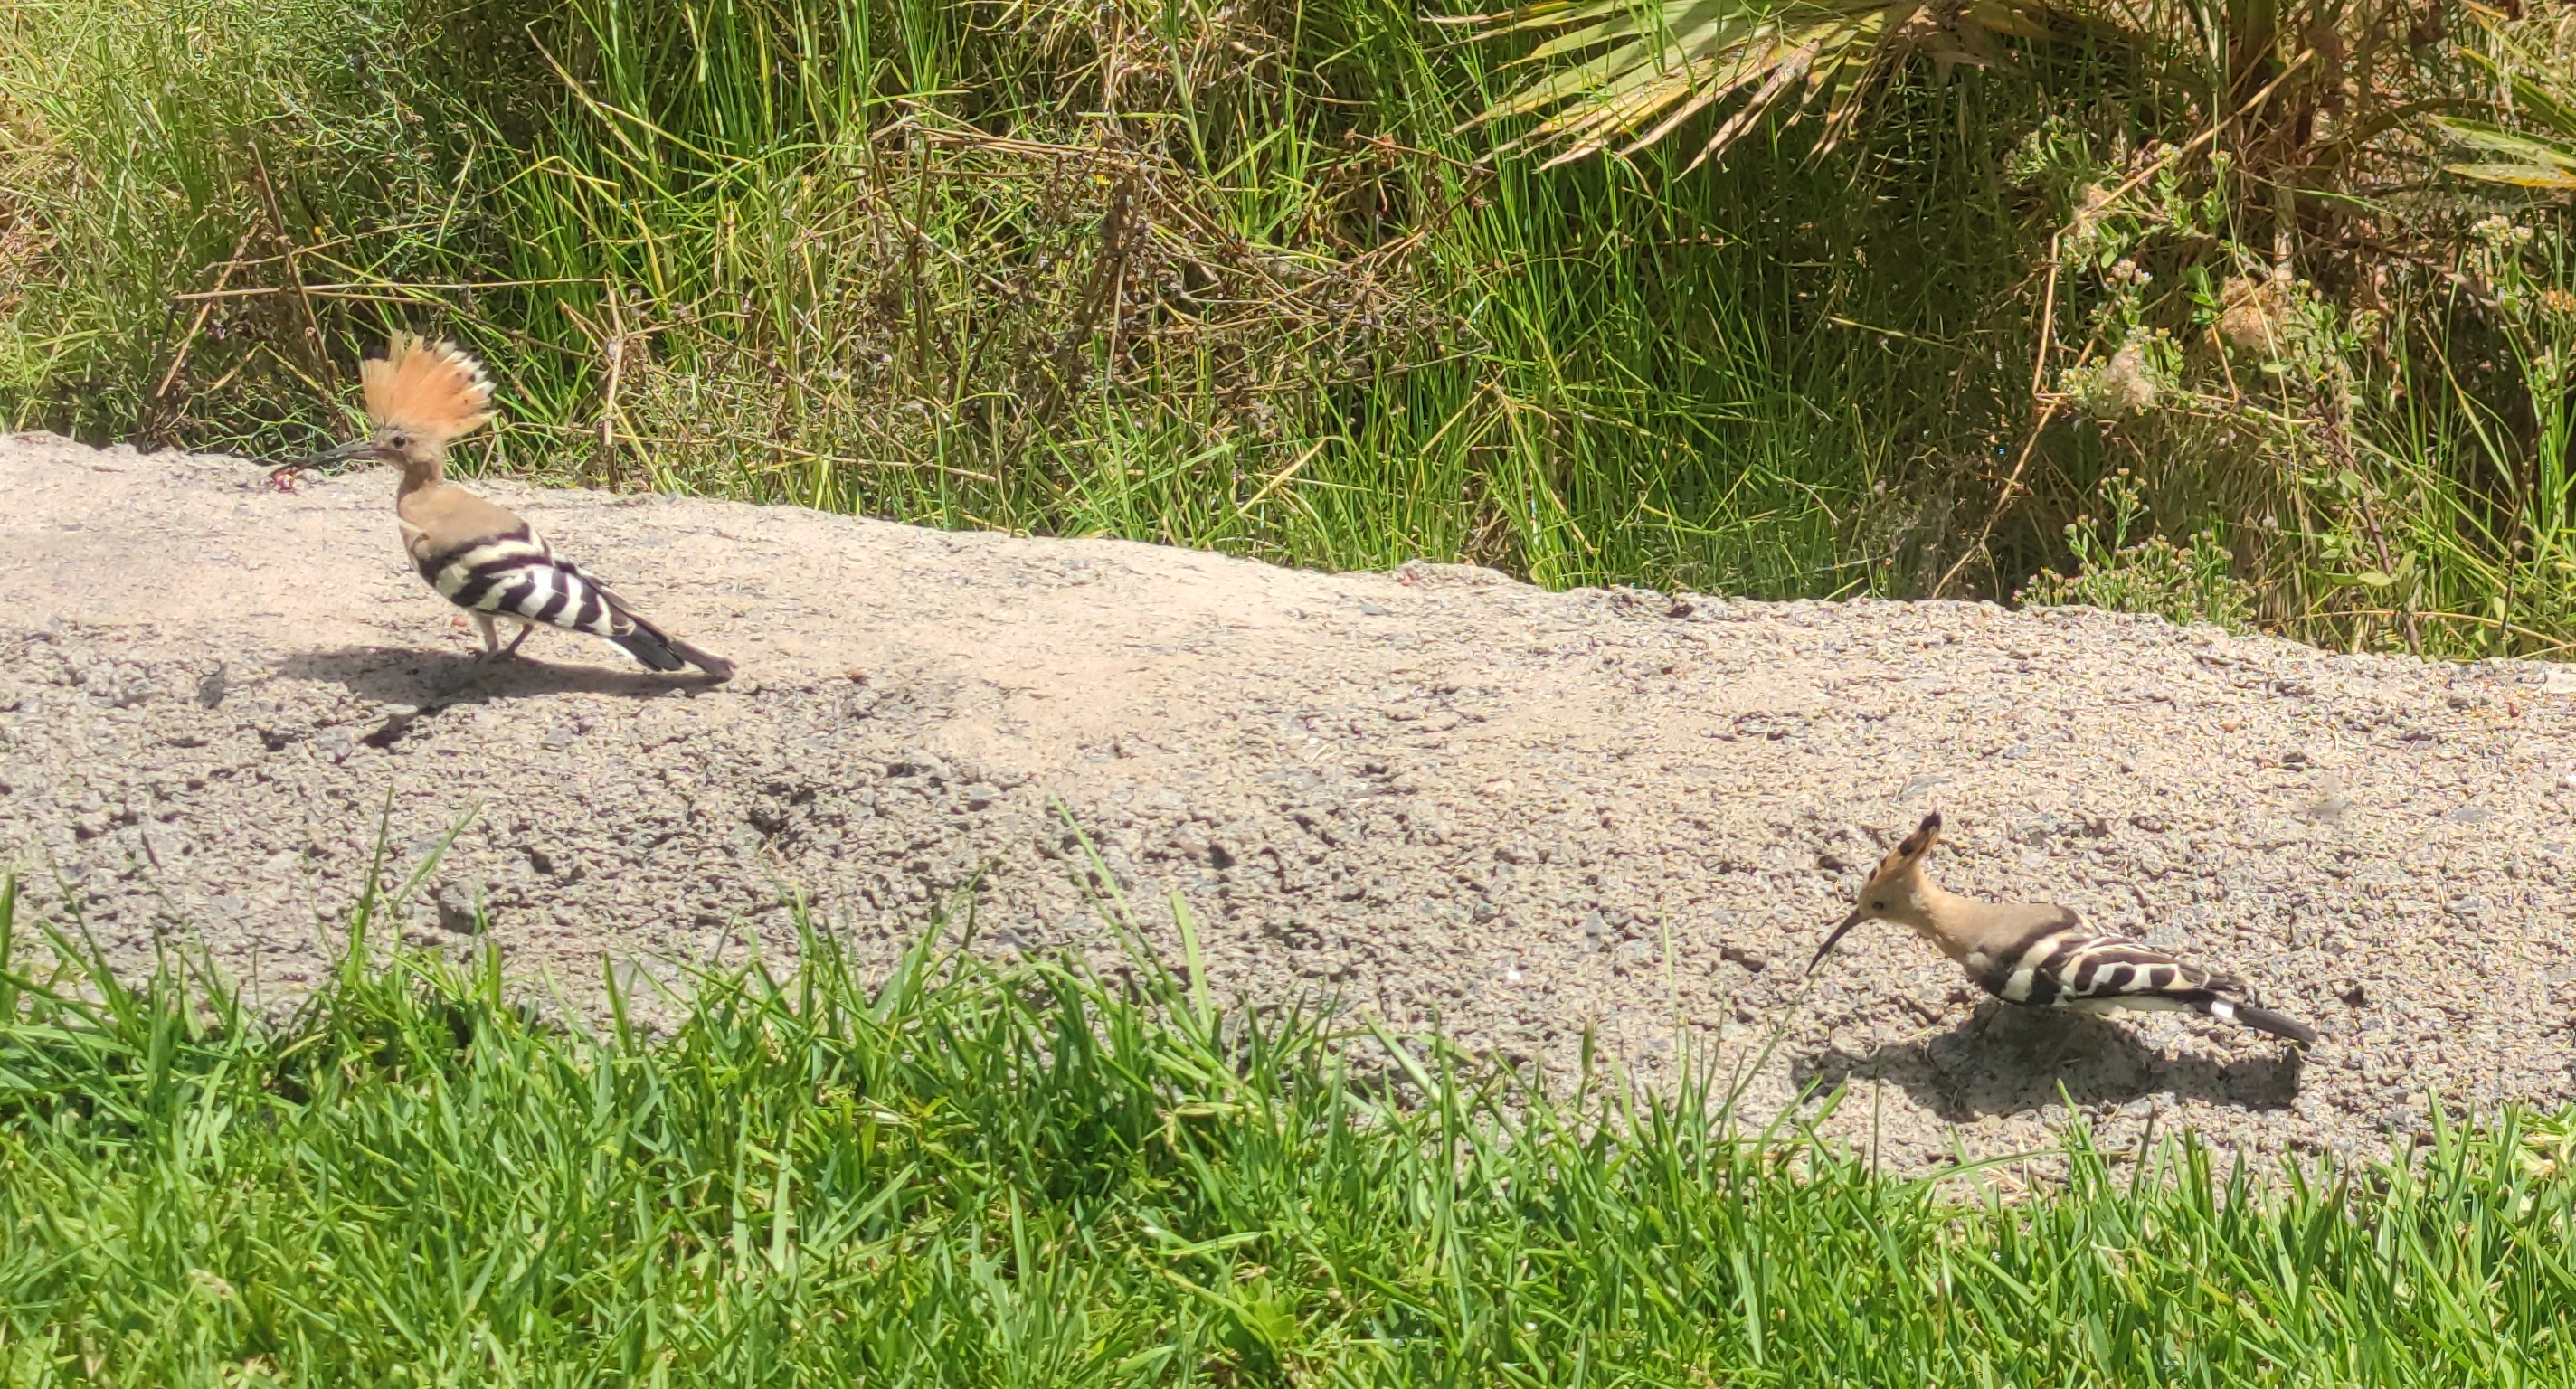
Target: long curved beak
364	447
1849	922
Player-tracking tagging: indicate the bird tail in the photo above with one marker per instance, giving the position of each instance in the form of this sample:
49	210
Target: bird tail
717	667
656	648
2261	1020
662	651
646	643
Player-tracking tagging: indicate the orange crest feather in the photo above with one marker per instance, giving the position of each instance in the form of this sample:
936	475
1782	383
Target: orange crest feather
1910	850
434	388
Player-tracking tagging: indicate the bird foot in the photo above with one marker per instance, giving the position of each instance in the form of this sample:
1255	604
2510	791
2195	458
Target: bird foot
2058	1052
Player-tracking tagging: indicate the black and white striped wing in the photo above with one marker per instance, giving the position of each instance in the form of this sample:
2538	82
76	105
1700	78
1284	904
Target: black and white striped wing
2067	964
519	575
2063	963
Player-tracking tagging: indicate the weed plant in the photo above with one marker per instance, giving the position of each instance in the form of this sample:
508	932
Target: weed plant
1022	1173
2193	582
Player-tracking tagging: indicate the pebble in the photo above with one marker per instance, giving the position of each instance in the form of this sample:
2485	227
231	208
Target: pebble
460	904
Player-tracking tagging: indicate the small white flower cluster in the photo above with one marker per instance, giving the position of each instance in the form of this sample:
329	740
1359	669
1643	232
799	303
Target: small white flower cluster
2501	232
2127	384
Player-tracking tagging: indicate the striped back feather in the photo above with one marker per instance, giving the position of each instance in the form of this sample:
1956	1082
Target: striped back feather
2066	964
519	575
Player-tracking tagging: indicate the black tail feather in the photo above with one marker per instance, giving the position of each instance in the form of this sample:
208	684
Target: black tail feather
2262	1020
716	667
662	651
647	644
657	648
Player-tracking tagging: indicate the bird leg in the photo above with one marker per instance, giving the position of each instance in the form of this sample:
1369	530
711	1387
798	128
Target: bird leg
493	651
1984	1020
2068	1029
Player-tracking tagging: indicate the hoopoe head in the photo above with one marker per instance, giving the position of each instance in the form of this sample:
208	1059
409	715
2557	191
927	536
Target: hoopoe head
1897	890
421	396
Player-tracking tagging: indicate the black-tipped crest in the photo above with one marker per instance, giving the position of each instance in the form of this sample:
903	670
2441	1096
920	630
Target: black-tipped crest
420	396
431	388
1911	849
1904	858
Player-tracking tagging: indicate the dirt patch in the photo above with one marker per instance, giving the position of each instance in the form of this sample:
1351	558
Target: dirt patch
1435	794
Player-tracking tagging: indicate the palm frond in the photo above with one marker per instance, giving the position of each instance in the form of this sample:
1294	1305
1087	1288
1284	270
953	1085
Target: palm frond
1654	64
2542	154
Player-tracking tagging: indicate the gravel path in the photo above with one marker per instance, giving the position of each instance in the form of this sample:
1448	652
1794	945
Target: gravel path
1432	793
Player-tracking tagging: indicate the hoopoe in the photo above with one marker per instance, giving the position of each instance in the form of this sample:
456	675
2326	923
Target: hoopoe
421	397
2043	955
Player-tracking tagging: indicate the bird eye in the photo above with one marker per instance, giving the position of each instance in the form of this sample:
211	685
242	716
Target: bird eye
1878	905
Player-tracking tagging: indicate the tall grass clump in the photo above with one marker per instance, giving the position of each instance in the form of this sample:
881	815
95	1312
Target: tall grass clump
1217	275
1214	275
973	1173
1295	280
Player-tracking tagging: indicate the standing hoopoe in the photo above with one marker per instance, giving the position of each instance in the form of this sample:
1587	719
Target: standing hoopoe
2044	956
423	396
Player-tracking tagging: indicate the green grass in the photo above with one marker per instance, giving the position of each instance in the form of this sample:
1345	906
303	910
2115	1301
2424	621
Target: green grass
1024	1174
837	288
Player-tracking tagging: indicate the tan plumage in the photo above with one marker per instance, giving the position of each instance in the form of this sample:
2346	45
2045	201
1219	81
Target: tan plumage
2042	955
422	396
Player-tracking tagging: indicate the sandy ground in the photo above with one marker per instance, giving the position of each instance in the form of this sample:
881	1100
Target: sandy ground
1433	794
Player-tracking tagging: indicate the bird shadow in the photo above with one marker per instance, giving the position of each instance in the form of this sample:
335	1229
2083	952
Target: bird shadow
429	679
2003	1061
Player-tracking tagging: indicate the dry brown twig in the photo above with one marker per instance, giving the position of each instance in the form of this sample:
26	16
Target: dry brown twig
197	324
294	268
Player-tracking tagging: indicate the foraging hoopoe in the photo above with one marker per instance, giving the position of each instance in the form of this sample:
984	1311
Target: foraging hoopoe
423	396
2043	955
